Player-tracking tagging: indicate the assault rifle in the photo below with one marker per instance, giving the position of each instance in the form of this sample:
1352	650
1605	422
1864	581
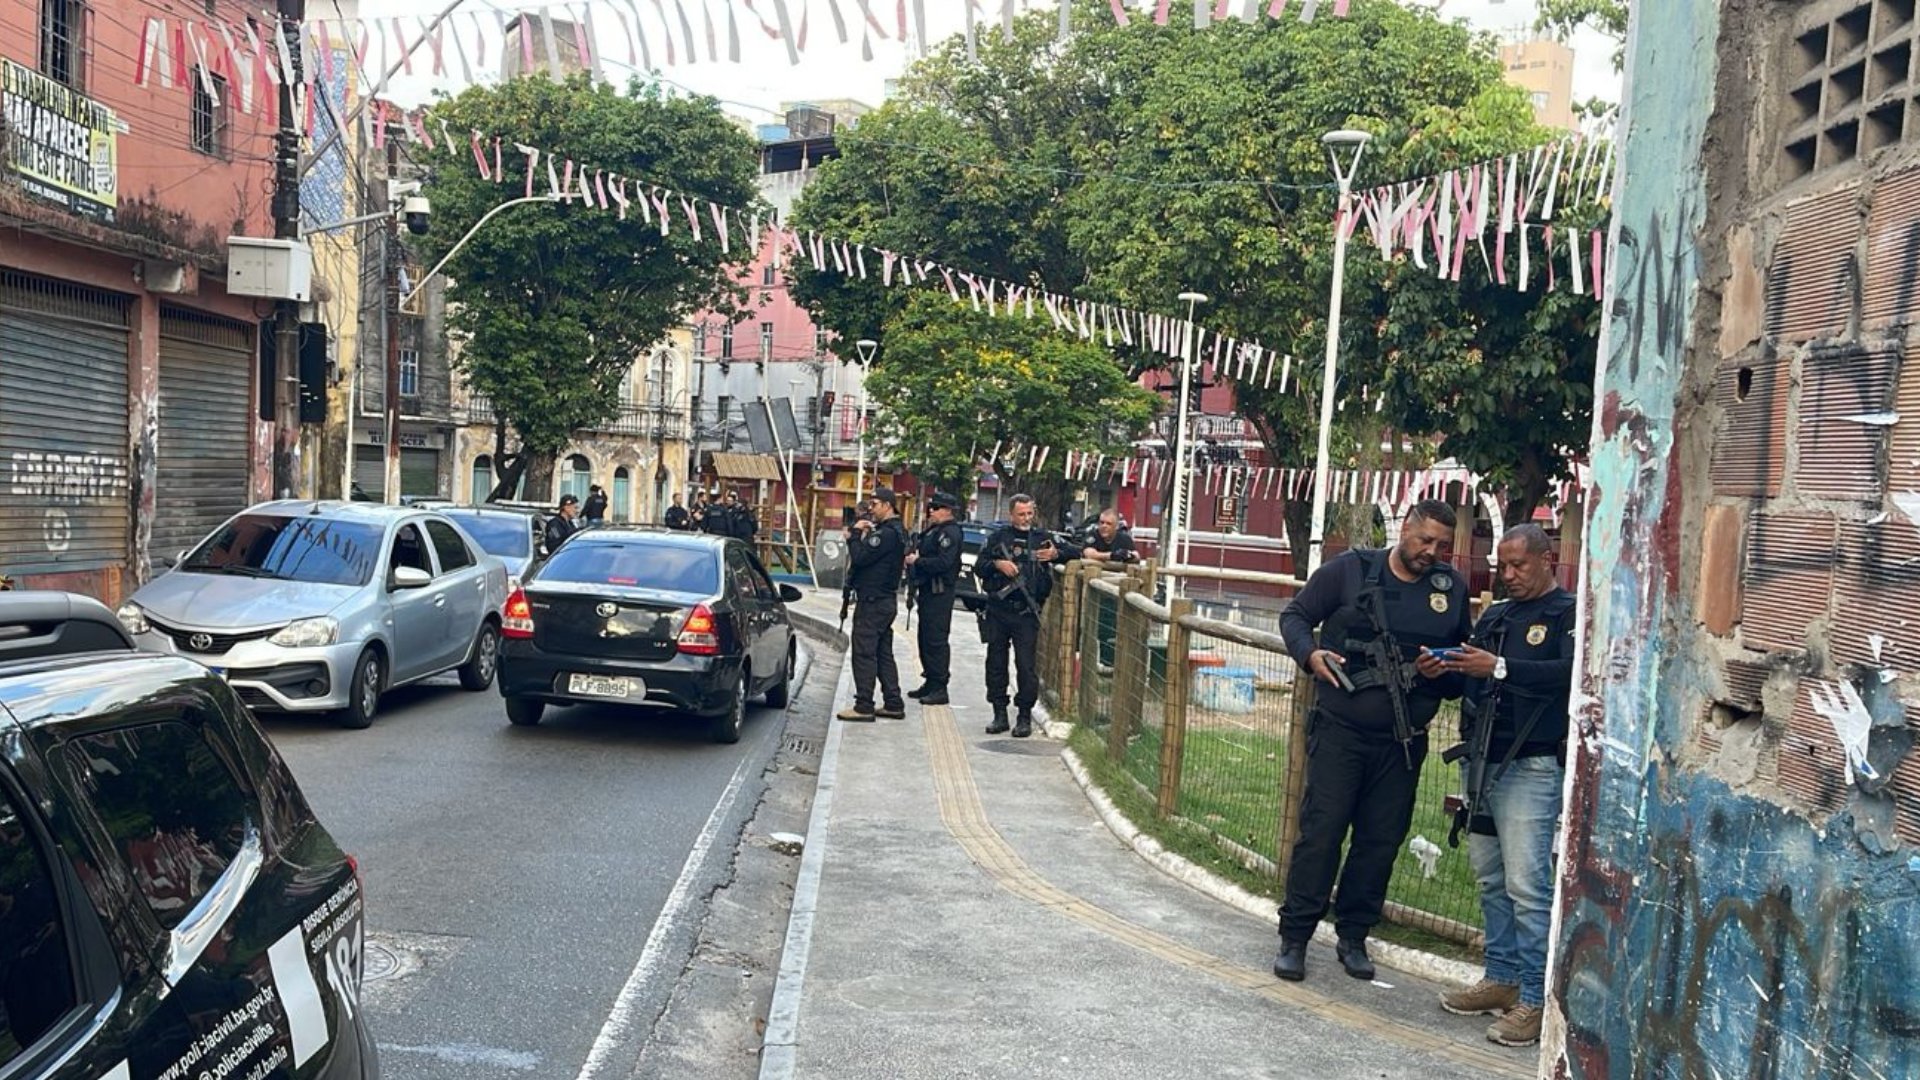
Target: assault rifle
1469	809
1385	657
1019	583
913	545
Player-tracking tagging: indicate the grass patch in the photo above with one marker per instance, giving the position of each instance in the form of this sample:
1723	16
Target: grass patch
1231	784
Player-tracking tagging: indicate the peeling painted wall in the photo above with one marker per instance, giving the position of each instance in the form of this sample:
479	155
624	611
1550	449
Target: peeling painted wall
1740	886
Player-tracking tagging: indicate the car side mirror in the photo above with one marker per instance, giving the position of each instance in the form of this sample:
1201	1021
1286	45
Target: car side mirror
789	594
410	577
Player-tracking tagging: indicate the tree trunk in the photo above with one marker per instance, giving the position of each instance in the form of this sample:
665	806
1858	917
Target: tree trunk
1528	491
1299	514
539	472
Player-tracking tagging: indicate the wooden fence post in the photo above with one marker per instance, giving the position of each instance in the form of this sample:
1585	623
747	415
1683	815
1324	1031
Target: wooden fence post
1067	655
1173	732
1295	783
1129	674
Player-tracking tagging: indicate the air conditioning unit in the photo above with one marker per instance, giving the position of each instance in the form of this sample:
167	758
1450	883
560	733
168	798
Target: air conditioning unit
269	268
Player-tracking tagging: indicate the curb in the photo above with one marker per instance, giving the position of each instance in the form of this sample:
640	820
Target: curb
780	1044
814	626
1399	957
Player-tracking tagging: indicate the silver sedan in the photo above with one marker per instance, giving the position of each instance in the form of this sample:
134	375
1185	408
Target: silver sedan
323	606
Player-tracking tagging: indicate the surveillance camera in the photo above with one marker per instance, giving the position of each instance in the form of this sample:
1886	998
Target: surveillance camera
418	212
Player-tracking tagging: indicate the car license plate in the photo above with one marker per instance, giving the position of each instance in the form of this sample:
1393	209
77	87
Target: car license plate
606	686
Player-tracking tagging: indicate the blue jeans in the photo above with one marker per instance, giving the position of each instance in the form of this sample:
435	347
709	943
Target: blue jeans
1515	871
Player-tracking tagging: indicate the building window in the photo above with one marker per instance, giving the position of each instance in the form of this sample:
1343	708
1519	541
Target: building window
209	114
766	274
481	484
63	26
700	340
576	475
622	494
409	372
1539	98
766	342
724	409
819	341
726	342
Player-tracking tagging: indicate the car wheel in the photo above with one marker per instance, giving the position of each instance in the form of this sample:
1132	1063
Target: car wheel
477	672
782	689
726	726
524	712
363	697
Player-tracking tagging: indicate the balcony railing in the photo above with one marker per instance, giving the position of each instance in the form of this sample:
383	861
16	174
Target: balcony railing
632	419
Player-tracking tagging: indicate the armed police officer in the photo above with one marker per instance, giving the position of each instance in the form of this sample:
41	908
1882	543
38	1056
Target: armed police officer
877	553
1519	664
934	569
1015	572
1377	691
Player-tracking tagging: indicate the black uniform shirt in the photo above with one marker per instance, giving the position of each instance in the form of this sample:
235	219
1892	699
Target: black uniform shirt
1536	637
1119	549
1431	612
877	556
1016	546
676	517
939	564
558	529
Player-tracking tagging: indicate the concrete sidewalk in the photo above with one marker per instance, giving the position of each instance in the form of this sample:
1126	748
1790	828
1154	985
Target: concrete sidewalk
963	912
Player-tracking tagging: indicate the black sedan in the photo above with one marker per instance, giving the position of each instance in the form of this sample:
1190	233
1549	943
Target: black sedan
648	617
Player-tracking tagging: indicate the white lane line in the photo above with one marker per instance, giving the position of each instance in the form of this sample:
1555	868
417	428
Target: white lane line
620	1019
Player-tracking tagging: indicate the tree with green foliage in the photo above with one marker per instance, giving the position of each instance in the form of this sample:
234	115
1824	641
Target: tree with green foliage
951	383
1136	162
1563	17
555	301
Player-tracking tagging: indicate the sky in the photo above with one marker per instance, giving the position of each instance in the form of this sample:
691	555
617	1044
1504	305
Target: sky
765	79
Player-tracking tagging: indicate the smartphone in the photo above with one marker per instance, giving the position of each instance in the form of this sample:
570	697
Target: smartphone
1444	654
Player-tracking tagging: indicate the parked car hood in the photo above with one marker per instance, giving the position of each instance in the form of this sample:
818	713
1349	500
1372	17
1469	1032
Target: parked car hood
232	602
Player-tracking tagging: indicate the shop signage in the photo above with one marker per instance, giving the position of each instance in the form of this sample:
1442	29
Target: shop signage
60	144
408	440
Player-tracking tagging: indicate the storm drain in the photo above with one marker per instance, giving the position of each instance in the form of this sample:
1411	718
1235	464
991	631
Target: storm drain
797	745
378	962
1027	747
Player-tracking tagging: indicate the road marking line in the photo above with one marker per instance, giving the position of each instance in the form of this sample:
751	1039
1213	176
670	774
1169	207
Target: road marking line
965	816
620	1019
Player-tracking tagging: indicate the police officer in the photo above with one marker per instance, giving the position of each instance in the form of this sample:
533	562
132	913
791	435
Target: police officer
564	522
934	570
1520	666
878	552
677	517
1109	541
1377	691
1014	573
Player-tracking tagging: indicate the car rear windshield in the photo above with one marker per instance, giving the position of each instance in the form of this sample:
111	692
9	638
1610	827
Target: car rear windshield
312	549
506	536
662	567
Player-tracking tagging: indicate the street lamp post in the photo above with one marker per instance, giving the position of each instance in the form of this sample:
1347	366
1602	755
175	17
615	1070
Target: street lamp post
1337	144
866	348
1174	521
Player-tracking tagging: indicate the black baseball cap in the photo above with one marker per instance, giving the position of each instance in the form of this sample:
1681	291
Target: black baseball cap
568	500
944	500
884	494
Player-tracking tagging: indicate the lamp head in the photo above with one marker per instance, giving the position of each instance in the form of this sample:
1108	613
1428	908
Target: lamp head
866	347
1193	298
1338	144
1345	139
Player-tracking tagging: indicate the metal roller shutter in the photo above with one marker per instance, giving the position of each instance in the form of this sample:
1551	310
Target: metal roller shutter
63	426
419	472
206	397
370	472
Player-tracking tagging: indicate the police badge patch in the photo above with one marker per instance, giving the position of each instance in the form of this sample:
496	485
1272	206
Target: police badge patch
1438	602
1442	582
1537	633
946	542
873	540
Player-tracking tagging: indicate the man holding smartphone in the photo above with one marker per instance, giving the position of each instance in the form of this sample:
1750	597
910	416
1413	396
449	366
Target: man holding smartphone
1520	661
1377	612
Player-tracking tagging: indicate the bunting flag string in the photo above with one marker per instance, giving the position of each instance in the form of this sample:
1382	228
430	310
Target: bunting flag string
1516	199
171	44
1087	320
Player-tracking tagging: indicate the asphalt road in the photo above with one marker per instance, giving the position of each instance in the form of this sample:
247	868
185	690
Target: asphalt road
532	893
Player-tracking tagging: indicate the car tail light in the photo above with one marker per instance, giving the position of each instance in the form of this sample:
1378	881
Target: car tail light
701	634
517	619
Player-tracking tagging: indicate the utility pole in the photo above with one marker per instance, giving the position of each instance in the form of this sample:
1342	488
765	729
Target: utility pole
286	226
391	265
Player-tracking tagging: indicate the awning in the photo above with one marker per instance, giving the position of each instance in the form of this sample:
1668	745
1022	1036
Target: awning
746	466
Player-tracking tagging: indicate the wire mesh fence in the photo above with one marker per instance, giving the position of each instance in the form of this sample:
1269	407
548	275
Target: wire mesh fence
1199	706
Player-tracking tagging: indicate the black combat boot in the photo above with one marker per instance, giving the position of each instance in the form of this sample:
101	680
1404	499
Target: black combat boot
935	695
1023	724
1353	956
1291	963
920	691
999	725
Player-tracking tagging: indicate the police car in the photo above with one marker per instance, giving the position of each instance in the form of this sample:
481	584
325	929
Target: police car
172	910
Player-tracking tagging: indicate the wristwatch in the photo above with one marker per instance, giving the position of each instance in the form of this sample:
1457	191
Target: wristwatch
1499	667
